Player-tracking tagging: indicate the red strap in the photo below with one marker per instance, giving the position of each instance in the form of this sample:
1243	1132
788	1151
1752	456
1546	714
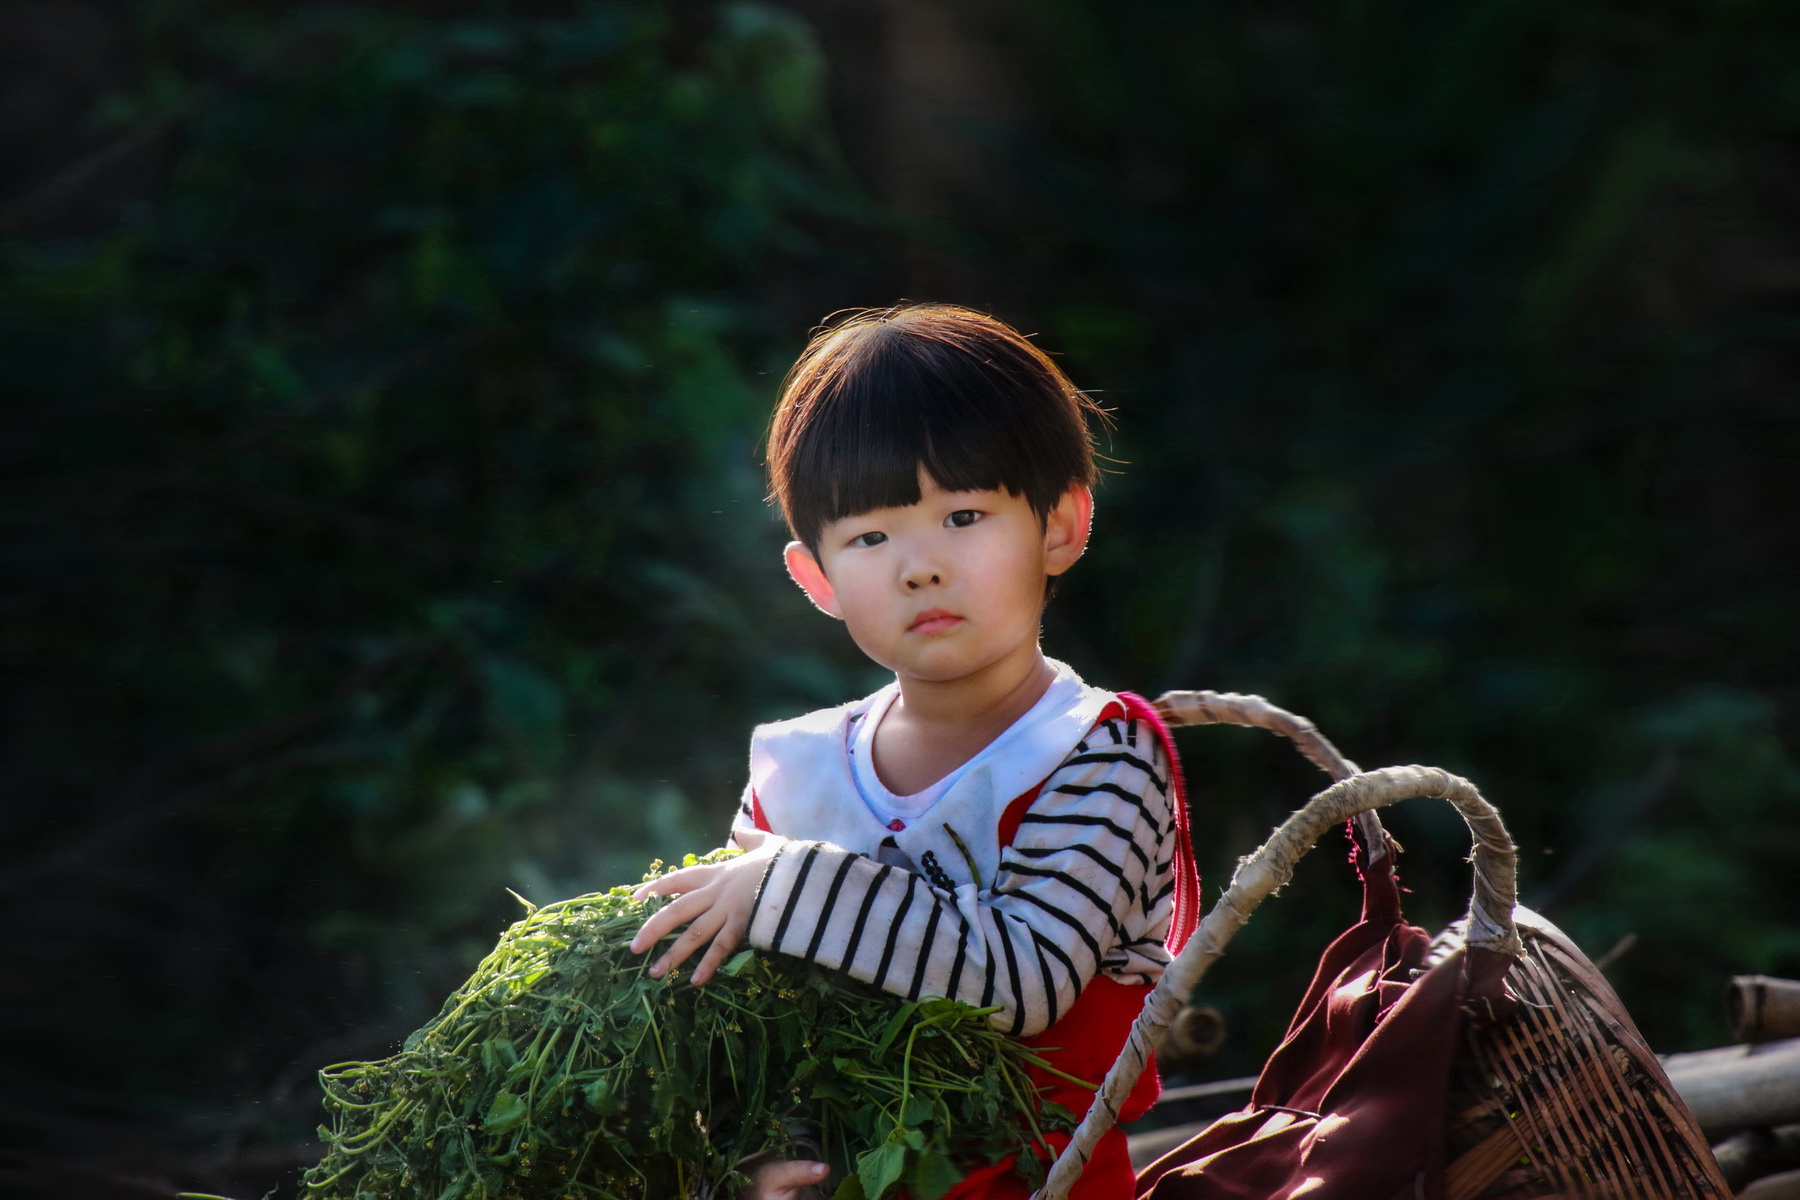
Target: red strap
1187	879
757	817
1014	816
1015	813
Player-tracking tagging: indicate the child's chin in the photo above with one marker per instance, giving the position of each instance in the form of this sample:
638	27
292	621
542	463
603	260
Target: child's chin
943	668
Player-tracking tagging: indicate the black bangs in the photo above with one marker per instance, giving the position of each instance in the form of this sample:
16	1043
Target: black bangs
974	416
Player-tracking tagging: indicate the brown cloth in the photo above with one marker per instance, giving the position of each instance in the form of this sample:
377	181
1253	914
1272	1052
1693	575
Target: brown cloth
1351	1104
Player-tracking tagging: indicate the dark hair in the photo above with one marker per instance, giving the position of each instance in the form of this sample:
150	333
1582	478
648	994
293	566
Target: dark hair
880	393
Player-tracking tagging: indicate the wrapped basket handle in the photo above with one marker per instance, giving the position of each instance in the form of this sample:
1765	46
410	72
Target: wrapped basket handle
1234	708
1490	920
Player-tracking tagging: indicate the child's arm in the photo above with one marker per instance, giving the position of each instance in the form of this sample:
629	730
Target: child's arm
1086	884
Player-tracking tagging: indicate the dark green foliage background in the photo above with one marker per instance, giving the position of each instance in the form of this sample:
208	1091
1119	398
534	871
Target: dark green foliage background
383	450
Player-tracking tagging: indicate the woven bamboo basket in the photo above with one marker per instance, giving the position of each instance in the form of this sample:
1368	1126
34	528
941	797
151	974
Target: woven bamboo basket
1562	1099
1566	1099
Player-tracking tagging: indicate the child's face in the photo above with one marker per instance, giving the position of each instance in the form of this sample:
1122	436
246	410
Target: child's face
947	587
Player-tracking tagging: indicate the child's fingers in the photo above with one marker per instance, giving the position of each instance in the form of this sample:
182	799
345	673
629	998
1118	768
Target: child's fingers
723	943
675	882
780	1180
704	926
666	920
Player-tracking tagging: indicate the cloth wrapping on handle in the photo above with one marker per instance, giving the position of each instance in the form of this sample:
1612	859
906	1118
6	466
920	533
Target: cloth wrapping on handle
1351	1106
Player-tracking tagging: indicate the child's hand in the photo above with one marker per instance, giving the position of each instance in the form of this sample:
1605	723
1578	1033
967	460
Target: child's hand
784	1181
715	903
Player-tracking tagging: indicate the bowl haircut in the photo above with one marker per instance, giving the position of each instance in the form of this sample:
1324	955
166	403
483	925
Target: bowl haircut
880	393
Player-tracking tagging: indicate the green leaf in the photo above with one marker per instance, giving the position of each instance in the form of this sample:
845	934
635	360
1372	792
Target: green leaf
497	1054
931	1176
504	1114
892	1029
600	1098
916	1112
668	1094
880	1169
738	962
850	1189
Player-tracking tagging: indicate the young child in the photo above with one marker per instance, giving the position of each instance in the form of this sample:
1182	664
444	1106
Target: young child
987	827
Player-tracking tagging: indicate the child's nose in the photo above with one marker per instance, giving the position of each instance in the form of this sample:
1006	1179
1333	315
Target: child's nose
919	579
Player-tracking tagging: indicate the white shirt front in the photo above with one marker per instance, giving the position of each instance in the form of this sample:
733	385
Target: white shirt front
1064	695
940	907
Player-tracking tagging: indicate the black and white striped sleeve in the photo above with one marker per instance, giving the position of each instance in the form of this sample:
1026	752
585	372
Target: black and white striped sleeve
1086	887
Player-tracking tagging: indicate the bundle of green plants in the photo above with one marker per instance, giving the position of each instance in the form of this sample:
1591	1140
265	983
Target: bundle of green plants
562	1069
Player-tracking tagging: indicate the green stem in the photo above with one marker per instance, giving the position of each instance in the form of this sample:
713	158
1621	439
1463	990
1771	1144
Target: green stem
974	871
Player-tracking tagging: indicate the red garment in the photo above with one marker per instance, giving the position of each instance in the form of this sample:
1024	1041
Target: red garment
1086	1040
1366	1062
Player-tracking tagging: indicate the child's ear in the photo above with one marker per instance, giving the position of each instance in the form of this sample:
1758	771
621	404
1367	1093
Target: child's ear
804	570
1066	528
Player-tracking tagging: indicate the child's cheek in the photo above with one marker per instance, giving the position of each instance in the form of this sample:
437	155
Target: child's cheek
865	638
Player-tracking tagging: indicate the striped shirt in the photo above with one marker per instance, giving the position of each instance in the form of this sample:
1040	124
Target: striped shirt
1085	888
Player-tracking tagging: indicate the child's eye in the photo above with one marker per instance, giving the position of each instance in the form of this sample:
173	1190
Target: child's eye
872	538
962	517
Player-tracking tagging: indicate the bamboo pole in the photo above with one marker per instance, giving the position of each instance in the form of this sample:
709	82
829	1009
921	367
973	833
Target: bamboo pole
1739	1087
1755	1153
1762	1009
1785	1186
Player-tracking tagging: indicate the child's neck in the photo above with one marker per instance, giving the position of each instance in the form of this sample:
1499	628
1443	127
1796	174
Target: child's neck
933	727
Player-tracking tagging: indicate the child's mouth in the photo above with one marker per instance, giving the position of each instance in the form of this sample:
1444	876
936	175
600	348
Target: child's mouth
934	620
